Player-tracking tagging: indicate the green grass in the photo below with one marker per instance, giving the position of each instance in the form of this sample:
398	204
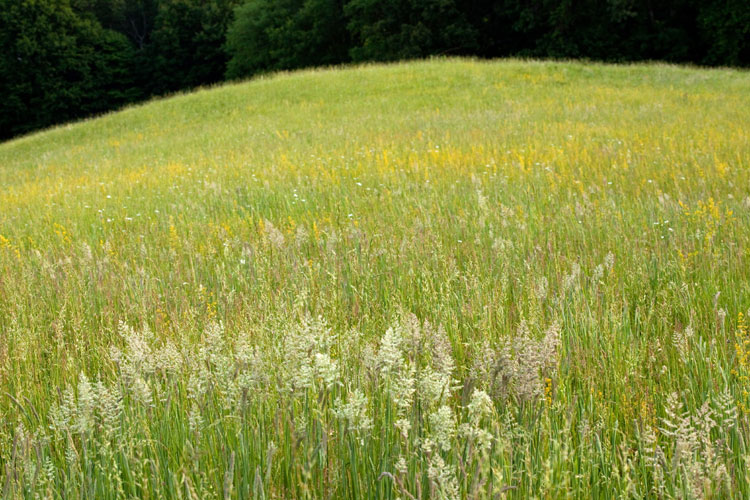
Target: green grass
437	279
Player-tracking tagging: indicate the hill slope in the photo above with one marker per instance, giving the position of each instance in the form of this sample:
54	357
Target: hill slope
448	277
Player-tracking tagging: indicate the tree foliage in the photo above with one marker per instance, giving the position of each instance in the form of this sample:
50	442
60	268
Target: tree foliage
285	34
398	29
57	65
188	43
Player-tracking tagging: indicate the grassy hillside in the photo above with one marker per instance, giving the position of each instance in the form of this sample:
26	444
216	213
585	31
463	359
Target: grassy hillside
444	279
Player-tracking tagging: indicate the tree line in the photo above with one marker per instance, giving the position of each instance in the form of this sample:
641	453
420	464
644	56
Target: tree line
65	59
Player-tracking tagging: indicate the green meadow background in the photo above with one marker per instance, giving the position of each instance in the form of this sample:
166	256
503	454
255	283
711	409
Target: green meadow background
437	279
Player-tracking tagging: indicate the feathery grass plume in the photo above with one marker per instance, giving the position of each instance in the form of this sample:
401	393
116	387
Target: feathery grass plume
354	412
390	358
528	359
443	427
655	458
501	244
597	274
440	347
325	369
402	388
551	349
696	457
274	236
301	236
443	481
137	358
721	317
61	414
742	357
710	476
109	408
540	290
726	410
211	368
493	369
333	239
167	359
483	207
141	392
678	427
400	466
415	336
94	408
570	280
252	366
306	362
434	387
479	408
681	340
523	367
533	361
84	421
609	261
404	426
195	420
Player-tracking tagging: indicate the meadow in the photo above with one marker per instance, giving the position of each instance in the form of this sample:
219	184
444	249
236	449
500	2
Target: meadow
440	279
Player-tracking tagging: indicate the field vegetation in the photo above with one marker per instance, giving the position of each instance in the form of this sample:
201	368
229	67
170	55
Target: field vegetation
441	279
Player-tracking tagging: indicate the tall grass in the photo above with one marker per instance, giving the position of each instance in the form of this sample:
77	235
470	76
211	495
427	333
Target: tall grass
443	279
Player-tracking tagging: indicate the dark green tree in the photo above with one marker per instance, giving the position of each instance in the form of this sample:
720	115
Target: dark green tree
285	34
187	46
725	27
397	29
57	65
133	18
